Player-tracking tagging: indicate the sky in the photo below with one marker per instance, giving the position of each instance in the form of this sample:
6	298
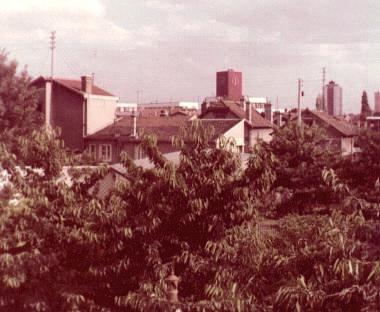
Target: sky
170	50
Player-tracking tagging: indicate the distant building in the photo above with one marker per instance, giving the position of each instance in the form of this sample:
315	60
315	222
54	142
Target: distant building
229	85
167	108
373	123
377	102
262	105
333	99
319	103
125	109
78	107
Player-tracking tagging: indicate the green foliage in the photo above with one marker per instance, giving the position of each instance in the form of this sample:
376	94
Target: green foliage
64	249
18	103
301	156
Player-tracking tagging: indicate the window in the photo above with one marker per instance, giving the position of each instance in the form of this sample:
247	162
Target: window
140	152
105	152
92	150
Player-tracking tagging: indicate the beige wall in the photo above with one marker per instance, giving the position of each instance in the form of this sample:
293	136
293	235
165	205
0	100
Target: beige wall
100	112
347	145
236	133
263	134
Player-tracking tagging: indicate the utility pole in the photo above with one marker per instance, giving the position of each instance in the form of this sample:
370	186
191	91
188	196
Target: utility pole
323	88
52	48
299	103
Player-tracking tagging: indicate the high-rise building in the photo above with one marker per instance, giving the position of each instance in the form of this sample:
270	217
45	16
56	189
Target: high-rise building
333	99
377	102
229	85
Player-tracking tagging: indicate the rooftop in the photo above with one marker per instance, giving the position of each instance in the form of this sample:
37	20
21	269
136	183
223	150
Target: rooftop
74	85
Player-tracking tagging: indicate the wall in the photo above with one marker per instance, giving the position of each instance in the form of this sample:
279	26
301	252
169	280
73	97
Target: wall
347	145
131	148
67	113
261	133
100	112
237	133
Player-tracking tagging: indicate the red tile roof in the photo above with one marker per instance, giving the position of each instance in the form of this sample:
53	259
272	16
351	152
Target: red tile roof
235	108
340	125
163	127
72	84
76	85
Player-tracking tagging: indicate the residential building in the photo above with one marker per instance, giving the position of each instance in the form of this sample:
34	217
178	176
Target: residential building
341	134
253	128
377	102
125	135
78	107
373	123
262	105
229	85
333	99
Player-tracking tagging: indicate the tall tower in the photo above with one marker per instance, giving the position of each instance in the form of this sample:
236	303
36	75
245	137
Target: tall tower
333	99
229	85
377	102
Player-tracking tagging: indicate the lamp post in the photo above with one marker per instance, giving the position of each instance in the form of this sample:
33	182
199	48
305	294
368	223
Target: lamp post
171	283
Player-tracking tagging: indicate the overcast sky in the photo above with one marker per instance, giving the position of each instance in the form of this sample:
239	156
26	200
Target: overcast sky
171	49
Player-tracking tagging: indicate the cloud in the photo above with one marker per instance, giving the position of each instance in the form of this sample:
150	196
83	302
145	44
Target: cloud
72	7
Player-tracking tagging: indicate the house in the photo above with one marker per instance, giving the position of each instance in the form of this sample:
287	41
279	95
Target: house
78	107
125	135
252	126
373	122
340	134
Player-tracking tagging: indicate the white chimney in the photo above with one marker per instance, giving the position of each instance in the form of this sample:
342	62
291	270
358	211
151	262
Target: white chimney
134	118
48	100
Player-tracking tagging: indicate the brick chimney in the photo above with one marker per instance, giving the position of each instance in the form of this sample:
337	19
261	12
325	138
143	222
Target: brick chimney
86	83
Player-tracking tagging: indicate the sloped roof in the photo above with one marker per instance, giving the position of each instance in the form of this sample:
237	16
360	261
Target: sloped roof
220	126
74	85
257	120
163	127
340	125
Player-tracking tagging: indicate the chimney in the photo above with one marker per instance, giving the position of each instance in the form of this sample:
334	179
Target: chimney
248	111
86	83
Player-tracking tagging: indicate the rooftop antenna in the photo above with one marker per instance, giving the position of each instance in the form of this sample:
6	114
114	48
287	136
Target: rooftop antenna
52	48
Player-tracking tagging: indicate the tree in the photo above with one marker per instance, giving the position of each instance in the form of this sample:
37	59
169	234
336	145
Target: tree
365	108
301	157
18	103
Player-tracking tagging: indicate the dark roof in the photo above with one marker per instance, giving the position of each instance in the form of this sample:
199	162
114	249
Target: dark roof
259	121
235	108
221	126
336	122
163	127
340	125
74	85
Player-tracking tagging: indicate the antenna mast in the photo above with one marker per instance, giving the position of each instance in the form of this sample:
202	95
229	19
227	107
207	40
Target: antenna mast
52	48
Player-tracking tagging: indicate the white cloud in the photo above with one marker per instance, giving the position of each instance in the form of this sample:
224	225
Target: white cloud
91	7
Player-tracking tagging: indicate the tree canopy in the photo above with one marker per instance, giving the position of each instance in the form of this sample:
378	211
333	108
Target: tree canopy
293	229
